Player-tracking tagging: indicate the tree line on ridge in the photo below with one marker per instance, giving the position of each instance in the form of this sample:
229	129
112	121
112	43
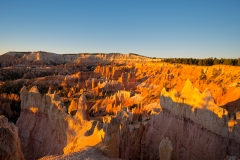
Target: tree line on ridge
204	62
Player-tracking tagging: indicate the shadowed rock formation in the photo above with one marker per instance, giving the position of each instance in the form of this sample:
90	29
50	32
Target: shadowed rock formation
10	106
196	126
10	148
42	127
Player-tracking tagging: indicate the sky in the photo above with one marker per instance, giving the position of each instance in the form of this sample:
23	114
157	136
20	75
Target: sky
154	28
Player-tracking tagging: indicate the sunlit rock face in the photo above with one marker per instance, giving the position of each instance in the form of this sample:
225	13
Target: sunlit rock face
195	125
46	58
83	110
45	128
10	148
199	107
72	109
126	76
42	127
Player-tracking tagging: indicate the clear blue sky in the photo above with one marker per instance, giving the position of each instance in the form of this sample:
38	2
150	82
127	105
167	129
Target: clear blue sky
187	28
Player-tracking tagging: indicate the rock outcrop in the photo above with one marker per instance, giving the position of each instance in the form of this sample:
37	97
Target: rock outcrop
200	108
165	149
196	126
128	80
83	111
10	148
72	109
42	125
46	129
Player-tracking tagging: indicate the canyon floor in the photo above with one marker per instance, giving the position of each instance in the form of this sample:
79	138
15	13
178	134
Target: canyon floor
116	106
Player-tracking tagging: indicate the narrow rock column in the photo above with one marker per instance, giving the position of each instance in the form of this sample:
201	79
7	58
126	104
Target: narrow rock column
82	108
165	149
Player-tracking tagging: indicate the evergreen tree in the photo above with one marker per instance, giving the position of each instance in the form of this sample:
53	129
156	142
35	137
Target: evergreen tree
190	61
200	62
216	61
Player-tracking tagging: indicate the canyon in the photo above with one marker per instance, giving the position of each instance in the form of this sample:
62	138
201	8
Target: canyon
116	106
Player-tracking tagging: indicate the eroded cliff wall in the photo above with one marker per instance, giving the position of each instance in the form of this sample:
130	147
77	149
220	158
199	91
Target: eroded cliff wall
45	128
196	126
42	127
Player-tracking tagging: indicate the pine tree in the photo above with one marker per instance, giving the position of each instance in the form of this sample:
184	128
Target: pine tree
216	61
200	62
